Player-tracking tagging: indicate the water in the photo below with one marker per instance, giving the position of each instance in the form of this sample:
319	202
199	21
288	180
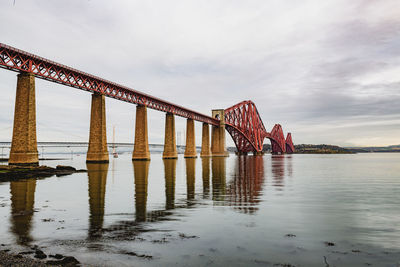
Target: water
238	211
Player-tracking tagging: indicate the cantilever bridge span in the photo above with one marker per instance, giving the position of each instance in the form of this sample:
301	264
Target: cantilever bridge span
244	124
242	121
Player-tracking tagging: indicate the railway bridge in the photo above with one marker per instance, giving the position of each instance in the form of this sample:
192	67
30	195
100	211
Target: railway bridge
242	121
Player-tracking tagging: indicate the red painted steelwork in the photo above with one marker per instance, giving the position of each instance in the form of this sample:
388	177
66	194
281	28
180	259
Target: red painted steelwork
21	61
278	141
244	124
289	144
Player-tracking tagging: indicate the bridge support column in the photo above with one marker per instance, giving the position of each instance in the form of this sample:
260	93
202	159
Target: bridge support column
218	147
98	151
170	151
141	149
205	141
24	142
190	150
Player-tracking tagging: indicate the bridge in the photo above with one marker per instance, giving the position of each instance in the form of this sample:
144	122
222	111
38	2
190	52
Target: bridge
242	121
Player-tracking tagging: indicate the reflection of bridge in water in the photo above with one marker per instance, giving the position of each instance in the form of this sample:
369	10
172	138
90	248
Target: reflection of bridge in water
242	190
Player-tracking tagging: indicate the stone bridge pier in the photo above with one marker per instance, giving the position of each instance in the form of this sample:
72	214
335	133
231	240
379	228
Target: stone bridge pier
218	145
24	142
98	150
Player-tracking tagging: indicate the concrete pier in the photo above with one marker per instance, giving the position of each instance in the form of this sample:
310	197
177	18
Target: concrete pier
170	151
190	150
24	141
218	146
98	151
141	149
205	141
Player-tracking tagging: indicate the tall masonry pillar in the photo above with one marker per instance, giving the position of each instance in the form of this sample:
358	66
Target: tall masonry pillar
141	149
98	151
190	151
170	151
205	141
24	142
218	146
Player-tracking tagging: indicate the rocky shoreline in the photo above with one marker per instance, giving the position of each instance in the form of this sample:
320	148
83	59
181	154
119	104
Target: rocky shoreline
11	173
22	259
9	259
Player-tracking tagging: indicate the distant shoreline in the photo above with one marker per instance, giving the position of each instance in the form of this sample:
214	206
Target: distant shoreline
125	147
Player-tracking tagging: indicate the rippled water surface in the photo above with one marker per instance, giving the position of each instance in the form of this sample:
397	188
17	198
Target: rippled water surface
235	211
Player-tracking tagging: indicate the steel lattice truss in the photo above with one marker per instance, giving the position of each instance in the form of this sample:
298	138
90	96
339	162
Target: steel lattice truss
244	124
21	61
289	143
277	138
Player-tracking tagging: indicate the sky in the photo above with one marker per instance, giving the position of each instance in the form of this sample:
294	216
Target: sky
327	71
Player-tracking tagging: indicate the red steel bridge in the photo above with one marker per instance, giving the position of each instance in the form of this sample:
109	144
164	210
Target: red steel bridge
244	124
242	120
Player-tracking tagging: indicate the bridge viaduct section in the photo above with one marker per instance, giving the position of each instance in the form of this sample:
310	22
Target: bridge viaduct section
242	121
24	141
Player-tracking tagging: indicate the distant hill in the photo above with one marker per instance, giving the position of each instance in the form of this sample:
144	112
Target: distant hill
393	148
308	149
320	149
331	149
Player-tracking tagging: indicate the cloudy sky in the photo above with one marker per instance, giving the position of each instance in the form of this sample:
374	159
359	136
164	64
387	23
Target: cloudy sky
328	71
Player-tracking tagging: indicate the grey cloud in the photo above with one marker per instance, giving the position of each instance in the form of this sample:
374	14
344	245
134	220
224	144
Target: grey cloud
304	64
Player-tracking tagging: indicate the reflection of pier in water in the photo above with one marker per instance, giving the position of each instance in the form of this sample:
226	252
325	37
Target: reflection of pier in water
190	180
170	177
141	172
97	179
218	166
278	170
22	204
205	166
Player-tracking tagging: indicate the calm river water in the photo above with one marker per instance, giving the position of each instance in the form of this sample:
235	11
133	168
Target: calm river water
235	211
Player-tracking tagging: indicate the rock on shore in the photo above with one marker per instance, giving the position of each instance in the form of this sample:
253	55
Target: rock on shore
10	173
